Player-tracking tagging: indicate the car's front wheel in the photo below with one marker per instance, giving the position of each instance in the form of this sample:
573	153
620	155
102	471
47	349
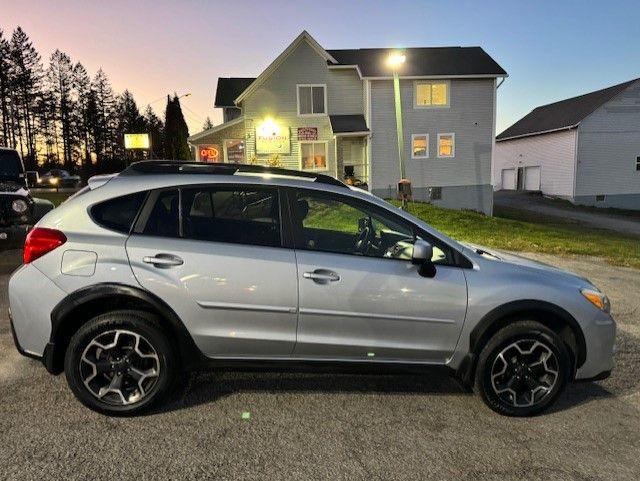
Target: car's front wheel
121	363
523	369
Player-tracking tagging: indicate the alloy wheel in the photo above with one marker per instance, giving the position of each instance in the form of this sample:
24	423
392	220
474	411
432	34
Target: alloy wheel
524	373
119	367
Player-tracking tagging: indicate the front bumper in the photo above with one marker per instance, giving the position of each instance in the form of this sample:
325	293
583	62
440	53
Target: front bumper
13	236
600	337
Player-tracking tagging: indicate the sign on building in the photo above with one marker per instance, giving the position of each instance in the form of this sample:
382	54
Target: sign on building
277	142
137	141
307	133
209	153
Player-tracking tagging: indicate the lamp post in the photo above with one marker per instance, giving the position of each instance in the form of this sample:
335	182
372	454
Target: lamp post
395	61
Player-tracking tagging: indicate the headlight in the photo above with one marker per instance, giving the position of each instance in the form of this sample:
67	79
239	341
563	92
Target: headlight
597	298
19	206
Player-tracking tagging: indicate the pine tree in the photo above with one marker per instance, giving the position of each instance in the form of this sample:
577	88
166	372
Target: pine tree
5	138
176	131
207	124
129	121
28	73
104	123
154	128
83	115
60	76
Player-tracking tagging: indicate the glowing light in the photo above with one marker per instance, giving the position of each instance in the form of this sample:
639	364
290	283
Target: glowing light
396	59
268	128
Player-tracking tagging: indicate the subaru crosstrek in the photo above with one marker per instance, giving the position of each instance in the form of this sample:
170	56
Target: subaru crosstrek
171	266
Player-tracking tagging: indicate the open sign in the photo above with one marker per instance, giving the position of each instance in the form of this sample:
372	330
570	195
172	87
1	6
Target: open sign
209	153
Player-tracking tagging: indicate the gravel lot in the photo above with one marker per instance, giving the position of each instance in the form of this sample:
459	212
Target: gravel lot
308	426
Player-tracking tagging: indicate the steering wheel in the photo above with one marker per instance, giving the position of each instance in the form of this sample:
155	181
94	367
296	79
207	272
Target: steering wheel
366	237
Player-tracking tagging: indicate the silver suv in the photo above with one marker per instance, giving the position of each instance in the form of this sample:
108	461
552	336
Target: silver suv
170	266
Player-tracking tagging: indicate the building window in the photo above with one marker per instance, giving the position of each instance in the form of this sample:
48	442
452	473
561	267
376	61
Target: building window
601	198
435	193
431	94
234	150
313	156
312	99
420	146
446	145
638	162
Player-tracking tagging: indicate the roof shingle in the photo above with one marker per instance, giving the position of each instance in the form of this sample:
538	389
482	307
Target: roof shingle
229	88
563	114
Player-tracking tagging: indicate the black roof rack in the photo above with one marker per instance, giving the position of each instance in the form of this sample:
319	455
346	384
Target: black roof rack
192	167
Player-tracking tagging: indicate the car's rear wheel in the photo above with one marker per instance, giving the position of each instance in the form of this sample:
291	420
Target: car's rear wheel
121	363
523	369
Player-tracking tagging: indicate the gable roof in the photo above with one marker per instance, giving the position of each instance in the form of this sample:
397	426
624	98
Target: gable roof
565	114
422	62
303	37
229	88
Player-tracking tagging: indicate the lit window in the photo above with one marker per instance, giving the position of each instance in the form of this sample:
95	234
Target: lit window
313	155
234	150
446	145
419	146
312	100
431	94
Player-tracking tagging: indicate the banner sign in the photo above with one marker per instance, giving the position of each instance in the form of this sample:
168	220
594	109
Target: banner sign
307	133
136	141
275	143
209	153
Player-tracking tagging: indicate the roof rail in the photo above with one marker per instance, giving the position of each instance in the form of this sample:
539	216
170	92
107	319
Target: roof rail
193	167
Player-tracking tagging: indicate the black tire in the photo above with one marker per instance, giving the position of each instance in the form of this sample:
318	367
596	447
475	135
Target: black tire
524	334
155	340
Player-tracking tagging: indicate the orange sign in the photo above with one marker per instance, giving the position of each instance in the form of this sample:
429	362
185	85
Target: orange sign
209	153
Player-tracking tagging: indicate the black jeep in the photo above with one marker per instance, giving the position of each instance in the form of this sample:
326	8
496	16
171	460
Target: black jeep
18	210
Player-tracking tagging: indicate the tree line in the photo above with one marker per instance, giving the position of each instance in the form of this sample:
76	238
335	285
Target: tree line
58	115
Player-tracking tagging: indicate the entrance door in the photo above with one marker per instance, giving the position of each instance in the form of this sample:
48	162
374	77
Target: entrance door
222	268
532	178
508	179
361	298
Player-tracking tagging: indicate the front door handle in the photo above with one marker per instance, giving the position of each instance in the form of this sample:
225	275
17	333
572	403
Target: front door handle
163	261
321	276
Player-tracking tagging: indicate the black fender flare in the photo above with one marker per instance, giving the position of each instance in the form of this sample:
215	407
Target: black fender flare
503	313
53	357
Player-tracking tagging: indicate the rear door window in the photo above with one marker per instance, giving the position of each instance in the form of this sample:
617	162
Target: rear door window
118	213
233	214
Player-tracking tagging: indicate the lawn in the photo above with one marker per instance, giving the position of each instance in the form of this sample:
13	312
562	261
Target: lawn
515	235
56	197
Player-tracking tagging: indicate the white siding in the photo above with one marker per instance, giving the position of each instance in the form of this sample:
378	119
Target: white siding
553	152
608	144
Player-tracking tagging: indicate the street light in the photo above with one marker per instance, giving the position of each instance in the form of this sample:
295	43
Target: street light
395	62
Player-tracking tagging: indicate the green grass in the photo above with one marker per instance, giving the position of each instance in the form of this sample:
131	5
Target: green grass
548	237
56	197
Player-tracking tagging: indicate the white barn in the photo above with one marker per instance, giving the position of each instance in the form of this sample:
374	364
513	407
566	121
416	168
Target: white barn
585	149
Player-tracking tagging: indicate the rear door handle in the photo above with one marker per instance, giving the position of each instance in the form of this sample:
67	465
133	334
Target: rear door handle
163	260
321	276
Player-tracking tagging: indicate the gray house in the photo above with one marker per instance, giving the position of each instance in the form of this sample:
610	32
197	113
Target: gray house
585	149
333	111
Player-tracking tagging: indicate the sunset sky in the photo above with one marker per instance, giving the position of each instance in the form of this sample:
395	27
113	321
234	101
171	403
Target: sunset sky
551	50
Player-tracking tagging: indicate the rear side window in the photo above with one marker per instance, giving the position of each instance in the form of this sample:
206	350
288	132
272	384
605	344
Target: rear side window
119	213
163	220
238	215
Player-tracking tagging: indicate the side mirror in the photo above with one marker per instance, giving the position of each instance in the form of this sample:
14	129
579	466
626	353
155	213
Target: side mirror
422	254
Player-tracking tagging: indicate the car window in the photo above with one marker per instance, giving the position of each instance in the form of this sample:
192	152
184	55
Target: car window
119	213
239	215
163	218
339	224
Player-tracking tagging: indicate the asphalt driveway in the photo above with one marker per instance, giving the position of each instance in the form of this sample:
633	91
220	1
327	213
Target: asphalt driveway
327	426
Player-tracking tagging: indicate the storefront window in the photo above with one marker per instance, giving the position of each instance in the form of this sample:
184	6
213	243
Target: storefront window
313	155
234	150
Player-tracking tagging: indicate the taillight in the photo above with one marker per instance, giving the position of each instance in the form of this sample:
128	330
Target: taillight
40	241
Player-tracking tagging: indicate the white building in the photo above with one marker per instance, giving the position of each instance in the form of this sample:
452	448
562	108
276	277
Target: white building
585	149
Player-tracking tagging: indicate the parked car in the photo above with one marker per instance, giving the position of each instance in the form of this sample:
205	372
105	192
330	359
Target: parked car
169	266
18	209
59	178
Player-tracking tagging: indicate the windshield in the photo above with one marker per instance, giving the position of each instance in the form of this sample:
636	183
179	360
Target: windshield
10	165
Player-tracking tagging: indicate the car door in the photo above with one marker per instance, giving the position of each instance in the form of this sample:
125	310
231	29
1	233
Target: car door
360	295
215	254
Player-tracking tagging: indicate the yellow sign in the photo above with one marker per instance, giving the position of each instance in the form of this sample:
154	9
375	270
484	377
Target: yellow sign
136	141
272	139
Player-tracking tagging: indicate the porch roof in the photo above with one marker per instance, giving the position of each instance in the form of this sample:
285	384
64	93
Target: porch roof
348	124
